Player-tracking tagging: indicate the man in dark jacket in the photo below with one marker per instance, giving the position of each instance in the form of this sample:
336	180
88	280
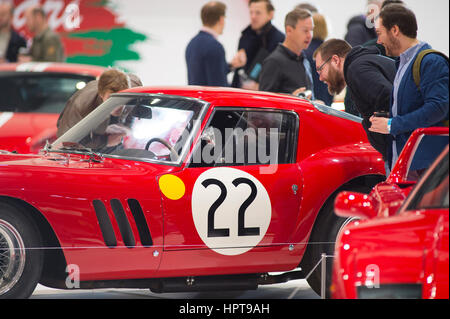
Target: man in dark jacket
258	40
10	40
367	75
286	69
360	29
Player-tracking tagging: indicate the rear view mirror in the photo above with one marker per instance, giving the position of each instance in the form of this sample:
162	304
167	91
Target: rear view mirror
351	204
142	112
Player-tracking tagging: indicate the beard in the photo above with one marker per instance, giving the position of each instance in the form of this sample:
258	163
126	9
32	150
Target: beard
336	82
392	47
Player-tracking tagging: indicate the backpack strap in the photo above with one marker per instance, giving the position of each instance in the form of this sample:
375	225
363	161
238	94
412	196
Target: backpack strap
418	62
416	69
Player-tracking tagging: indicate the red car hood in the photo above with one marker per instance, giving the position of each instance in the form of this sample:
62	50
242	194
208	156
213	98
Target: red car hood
64	171
26	132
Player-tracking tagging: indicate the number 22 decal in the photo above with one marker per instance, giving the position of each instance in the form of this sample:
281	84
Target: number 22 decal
242	230
231	210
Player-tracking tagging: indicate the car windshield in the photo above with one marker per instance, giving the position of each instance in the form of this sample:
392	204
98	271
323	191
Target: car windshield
433	193
38	92
155	128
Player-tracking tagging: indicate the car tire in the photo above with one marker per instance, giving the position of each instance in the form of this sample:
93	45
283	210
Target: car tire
21	259
322	241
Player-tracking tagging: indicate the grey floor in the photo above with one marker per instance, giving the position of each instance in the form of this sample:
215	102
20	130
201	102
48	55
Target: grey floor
296	289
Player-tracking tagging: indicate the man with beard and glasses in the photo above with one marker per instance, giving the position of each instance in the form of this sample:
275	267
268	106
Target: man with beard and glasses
367	75
413	105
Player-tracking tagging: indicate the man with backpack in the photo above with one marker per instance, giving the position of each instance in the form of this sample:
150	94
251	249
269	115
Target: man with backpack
413	105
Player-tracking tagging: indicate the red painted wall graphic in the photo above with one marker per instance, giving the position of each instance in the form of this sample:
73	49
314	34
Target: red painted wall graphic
90	30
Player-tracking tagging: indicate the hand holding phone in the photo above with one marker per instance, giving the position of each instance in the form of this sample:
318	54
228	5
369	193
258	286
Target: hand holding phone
381	114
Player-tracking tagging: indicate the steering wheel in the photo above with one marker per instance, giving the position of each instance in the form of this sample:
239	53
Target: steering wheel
173	153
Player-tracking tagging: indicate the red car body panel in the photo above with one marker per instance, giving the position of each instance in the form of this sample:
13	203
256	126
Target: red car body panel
325	161
409	247
28	132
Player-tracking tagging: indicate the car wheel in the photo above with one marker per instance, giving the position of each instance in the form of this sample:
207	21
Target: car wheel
322	241
20	259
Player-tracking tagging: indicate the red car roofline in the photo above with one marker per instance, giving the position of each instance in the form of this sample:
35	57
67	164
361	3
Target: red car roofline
211	94
81	69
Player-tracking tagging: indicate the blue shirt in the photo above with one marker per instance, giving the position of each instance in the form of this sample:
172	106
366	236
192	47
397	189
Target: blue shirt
405	60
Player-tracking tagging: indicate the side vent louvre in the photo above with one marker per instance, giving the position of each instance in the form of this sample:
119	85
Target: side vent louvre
125	229
141	223
105	223
124	224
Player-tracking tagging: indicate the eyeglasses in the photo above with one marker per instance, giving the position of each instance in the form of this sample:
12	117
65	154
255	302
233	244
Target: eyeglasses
320	68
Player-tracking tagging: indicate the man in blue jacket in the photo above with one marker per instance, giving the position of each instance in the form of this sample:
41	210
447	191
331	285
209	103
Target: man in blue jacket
412	106
205	55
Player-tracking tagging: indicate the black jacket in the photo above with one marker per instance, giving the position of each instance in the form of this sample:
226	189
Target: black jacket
369	77
357	31
15	43
253	42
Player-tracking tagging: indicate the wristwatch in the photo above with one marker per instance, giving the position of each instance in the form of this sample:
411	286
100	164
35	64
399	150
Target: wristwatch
389	125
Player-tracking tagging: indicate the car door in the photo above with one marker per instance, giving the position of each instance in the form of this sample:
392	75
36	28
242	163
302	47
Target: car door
392	193
241	190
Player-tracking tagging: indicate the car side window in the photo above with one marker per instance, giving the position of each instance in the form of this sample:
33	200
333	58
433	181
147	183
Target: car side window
434	192
237	137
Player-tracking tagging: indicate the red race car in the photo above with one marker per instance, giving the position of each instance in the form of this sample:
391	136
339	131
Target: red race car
32	95
399	247
182	189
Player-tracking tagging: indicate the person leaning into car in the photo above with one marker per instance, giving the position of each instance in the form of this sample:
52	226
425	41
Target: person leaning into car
367	75
88	99
413	106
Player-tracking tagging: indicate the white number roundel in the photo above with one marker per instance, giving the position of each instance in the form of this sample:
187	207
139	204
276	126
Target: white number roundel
231	210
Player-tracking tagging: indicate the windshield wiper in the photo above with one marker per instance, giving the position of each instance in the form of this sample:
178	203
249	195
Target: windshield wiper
78	148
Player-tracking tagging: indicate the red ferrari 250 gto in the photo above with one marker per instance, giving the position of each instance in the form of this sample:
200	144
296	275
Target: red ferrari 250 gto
182	189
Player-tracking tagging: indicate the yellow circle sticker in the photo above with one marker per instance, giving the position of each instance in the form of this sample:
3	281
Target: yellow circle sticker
172	186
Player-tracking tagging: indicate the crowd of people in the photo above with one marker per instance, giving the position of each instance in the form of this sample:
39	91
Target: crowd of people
377	62
394	81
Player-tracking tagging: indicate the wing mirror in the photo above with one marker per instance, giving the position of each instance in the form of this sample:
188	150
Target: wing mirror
351	204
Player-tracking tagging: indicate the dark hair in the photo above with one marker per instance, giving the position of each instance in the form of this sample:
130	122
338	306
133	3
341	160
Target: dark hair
333	47
295	15
269	4
307	6
212	12
398	15
388	2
